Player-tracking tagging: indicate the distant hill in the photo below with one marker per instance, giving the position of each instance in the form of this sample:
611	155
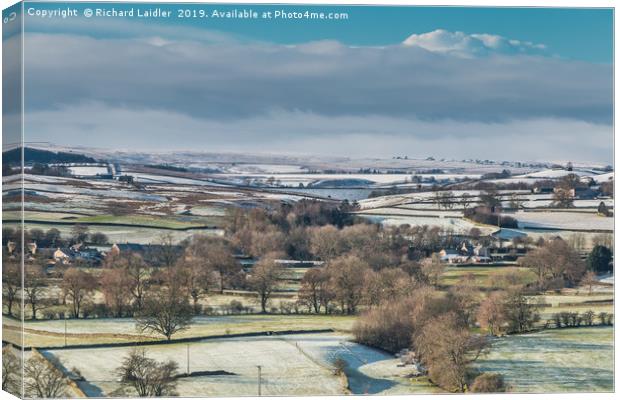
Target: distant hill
31	155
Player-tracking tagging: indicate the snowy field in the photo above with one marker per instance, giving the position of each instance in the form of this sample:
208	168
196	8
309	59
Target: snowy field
121	234
565	360
555	360
428	199
88	171
153	178
369	371
128	325
458	225
563	220
68	190
414	212
553	174
291	365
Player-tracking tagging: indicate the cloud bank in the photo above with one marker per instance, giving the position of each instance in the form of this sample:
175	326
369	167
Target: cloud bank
441	93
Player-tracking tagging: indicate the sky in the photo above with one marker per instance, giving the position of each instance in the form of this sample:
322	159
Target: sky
527	84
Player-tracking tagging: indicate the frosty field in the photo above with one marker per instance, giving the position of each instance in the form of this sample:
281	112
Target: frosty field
564	220
553	360
556	360
116	330
291	365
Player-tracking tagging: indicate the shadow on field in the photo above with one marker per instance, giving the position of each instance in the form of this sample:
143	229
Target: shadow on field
360	383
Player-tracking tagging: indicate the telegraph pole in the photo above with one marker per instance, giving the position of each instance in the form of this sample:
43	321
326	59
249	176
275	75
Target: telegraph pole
65	329
188	359
259	379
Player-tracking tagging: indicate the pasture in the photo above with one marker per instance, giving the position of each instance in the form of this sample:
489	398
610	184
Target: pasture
290	365
46	333
555	360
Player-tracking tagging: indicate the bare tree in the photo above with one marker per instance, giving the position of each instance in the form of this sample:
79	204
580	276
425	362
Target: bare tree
577	241
388	326
386	285
137	272
491	315
448	349
167	252
326	242
555	262
490	198
433	268
589	280
265	277
205	255
148	377
196	278
446	200
520	313
116	288
79	233
34	288
515	201
42	379
465	200
267	241
438	199
77	286
465	297
564	192
99	238
603	239
11	370
314	288
11	284
347	276
166	312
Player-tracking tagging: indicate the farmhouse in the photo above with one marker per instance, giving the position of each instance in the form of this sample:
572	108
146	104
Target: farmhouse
466	252
76	253
62	256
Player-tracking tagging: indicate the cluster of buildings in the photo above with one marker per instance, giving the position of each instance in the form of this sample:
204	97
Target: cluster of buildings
500	248
465	253
76	254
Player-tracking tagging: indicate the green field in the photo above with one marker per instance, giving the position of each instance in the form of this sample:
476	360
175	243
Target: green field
483	275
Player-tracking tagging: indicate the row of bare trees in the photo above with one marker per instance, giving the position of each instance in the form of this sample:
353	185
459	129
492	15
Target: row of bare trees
349	281
555	263
310	230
